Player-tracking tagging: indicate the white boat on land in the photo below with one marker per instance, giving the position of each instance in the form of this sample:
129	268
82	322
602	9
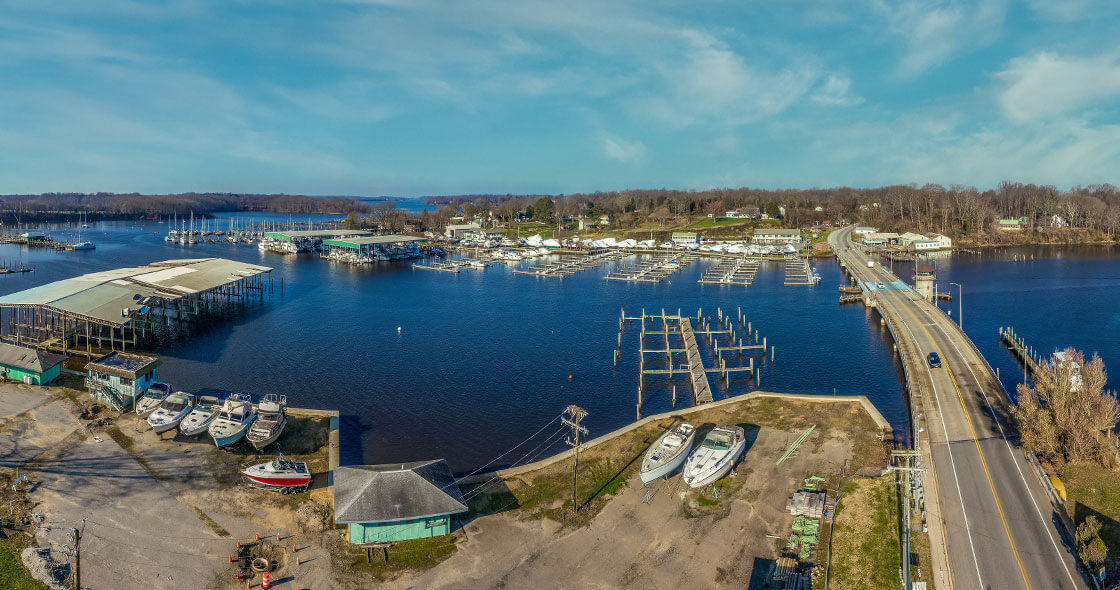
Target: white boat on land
152	398
667	453
171	411
204	412
715	456
233	421
272	417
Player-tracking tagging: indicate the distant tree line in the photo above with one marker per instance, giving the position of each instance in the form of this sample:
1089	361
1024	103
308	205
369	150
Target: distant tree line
57	206
956	210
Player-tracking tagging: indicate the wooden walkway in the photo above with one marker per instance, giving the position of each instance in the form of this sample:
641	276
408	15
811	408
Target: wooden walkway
798	272
1026	355
698	377
731	271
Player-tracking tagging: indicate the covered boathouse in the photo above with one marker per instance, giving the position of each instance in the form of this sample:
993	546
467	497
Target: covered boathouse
121	377
398	502
34	367
101	312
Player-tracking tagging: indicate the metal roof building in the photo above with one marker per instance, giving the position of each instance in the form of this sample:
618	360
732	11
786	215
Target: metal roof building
396	502
35	367
104	305
314	234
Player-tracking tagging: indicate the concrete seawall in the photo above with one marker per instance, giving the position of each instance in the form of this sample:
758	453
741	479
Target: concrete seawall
862	400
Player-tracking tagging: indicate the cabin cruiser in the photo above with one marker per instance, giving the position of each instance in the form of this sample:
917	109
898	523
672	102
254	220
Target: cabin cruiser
204	412
171	411
283	474
667	453
715	456
271	420
152	398
233	420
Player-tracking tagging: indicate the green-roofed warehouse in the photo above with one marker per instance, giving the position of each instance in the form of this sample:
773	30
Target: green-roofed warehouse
371	248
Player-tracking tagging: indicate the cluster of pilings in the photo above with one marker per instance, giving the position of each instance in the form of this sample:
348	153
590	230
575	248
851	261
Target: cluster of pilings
731	354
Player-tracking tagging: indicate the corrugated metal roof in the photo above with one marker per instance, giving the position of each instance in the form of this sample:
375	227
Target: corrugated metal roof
318	233
355	242
105	295
124	364
400	491
28	359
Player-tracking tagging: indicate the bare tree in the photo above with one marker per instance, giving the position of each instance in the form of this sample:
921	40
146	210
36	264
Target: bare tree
1068	416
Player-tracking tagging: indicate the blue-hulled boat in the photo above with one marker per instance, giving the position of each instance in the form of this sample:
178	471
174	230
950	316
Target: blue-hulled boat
233	420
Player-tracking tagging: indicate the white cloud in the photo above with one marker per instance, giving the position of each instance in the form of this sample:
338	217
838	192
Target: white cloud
835	92
934	31
1046	84
1073	10
622	150
353	101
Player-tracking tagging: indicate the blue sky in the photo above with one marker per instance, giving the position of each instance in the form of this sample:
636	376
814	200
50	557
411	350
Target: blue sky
414	97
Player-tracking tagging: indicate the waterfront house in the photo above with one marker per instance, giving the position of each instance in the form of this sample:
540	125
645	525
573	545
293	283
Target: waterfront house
397	502
34	367
943	241
685	238
484	233
1012	224
862	231
121	377
775	236
907	239
459	230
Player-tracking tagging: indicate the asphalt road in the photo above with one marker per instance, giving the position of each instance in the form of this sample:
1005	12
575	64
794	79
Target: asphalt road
1000	526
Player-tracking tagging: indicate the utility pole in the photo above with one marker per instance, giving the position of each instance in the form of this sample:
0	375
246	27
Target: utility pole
572	416
906	466
77	533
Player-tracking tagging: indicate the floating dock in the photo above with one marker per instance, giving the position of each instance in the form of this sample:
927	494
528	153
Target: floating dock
654	270
731	271
798	272
572	265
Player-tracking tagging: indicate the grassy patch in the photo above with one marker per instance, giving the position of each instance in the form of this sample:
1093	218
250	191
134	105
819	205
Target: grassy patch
1092	490
865	547
386	564
710	222
13	574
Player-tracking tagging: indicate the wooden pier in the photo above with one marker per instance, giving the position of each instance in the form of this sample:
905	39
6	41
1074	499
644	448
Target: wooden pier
572	265
731	271
654	270
1027	355
688	331
437	266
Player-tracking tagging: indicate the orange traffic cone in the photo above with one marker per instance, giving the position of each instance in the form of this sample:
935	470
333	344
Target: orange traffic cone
277	537
264	581
230	558
293	547
258	536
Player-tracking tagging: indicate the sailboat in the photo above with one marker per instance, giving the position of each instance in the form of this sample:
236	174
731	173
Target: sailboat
78	243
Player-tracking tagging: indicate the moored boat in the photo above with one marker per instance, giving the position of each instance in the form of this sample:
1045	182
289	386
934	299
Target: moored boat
204	412
152	398
171	412
233	420
667	453
272	417
715	456
283	474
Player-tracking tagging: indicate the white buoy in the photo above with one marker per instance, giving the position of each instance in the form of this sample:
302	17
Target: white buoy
398	329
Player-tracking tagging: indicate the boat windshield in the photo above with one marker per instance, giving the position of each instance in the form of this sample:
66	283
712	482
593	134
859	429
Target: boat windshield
717	443
171	406
224	416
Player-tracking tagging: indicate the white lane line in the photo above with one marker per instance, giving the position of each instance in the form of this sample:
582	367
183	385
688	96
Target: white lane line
1003	435
952	461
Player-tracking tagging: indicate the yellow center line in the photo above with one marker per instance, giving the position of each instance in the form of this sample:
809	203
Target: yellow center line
976	441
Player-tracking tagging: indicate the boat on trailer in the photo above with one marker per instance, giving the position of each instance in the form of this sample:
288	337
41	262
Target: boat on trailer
280	474
715	456
667	453
272	417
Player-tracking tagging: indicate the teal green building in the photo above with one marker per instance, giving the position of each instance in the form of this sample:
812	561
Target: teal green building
398	502
34	367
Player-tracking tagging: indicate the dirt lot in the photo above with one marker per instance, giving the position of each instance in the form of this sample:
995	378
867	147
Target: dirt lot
680	538
159	513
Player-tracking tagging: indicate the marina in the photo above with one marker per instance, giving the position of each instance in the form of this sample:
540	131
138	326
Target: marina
654	270
798	272
731	271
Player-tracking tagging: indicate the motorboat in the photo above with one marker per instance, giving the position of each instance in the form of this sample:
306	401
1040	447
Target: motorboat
171	411
204	412
667	453
152	398
280	473
715	456
271	420
233	420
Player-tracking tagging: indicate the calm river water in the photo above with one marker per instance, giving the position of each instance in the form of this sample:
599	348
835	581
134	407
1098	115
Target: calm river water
482	360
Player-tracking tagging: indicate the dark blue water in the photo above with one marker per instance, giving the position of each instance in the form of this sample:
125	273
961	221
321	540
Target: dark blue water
1054	297
483	359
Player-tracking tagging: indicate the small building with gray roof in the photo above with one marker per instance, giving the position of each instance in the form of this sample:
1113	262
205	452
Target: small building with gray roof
396	502
34	367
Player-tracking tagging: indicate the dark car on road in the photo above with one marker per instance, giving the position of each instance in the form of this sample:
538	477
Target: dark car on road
934	360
